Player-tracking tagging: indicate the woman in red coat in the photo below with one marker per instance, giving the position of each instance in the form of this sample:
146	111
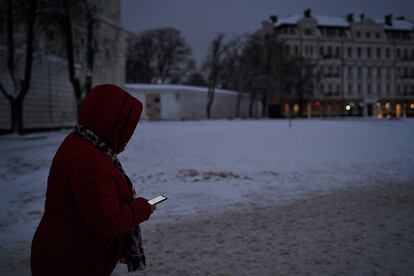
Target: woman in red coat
91	217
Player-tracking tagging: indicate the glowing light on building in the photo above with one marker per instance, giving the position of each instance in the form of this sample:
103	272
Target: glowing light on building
348	107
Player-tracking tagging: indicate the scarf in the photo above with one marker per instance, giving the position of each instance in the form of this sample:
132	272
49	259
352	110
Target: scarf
133	256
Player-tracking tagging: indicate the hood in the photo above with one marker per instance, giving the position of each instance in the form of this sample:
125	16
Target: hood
112	114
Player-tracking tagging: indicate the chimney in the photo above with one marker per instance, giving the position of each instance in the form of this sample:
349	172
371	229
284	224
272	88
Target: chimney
307	13
388	19
350	18
362	16
273	18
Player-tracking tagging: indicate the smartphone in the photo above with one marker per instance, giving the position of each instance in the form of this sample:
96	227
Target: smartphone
157	200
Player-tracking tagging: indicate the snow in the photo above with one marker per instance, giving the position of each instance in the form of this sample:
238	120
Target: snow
244	185
174	87
322	20
397	24
340	21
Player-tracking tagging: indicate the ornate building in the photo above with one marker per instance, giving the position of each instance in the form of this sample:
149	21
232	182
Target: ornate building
364	66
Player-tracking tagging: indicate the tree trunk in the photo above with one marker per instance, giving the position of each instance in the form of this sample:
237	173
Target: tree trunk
16	102
210	98
90	53
264	105
239	95
252	99
210	95
69	53
16	115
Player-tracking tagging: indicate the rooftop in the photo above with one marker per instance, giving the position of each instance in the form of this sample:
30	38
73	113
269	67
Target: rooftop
342	22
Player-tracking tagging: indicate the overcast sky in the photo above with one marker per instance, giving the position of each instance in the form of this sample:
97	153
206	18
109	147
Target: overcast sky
200	20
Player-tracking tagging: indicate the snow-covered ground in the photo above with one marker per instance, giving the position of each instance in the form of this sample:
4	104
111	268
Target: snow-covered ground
246	197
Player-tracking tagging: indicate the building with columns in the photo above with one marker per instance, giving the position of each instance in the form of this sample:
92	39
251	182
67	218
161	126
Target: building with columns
364	66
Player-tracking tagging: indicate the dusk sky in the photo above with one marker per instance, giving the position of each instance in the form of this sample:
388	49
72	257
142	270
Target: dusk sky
200	20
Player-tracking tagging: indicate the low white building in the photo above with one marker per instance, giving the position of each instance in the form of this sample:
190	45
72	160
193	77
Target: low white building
182	102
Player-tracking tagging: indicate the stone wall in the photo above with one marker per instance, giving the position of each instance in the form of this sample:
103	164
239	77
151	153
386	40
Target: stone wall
50	101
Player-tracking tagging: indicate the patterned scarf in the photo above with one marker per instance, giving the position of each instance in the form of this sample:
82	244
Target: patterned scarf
134	256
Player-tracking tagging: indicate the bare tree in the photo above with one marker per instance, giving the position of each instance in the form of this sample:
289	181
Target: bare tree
74	17
213	66
233	68
16	13
159	55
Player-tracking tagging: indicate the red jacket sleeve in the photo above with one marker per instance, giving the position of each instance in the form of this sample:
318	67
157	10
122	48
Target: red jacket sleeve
97	201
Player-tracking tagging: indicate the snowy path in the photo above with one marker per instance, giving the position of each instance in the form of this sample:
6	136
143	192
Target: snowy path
222	173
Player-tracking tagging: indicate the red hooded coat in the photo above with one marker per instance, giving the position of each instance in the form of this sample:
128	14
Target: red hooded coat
89	206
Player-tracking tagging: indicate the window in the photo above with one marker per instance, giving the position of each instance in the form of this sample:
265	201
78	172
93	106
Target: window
368	34
349	51
378	52
406	53
358	34
311	50
338	89
349	89
349	72
359	89
329	51
387	52
359	51
378	72
378	89
377	35
321	51
368	52
308	32
369	89
337	51
388	89
398	53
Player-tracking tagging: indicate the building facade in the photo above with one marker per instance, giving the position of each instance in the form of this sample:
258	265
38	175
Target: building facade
50	102
364	66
